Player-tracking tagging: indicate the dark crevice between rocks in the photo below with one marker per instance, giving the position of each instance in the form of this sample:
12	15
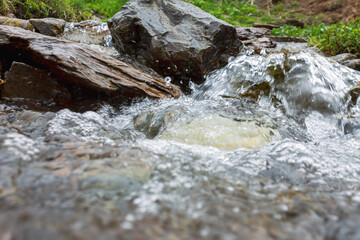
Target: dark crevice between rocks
83	99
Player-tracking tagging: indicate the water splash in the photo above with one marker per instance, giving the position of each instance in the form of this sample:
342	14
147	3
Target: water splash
299	81
89	167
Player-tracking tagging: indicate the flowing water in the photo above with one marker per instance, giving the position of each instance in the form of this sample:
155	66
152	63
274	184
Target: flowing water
267	148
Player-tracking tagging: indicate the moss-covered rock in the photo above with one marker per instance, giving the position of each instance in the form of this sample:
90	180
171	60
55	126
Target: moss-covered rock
14	22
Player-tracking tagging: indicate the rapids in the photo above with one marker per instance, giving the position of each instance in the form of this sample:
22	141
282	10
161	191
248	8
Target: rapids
98	174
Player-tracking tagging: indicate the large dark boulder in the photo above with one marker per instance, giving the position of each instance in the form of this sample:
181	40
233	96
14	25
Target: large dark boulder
174	38
80	66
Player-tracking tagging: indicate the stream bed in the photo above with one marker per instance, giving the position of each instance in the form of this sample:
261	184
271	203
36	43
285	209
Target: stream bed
267	148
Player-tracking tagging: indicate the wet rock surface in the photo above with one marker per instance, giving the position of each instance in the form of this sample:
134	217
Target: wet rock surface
152	123
48	26
287	39
354	64
260	43
174	38
248	33
36	84
269	26
347	59
341	58
79	65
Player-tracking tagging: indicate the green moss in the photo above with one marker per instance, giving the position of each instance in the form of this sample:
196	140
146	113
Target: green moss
334	39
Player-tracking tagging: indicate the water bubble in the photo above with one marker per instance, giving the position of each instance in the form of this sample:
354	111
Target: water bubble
236	210
168	81
108	41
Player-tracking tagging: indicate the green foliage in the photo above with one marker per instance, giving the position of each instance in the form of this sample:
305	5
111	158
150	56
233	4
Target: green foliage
5	6
105	8
66	9
38	8
334	39
339	38
233	12
294	4
291	31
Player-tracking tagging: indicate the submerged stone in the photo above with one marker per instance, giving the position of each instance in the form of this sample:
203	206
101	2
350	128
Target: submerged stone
221	132
174	38
154	122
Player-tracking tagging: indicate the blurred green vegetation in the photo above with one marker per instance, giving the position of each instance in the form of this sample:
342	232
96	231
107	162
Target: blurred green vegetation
39	9
102	8
331	39
240	13
233	11
70	10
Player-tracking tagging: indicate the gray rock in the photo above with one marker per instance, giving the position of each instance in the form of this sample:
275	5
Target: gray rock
260	43
248	33
14	22
287	39
81	66
354	64
272	25
48	26
174	38
154	122
267	25
341	58
31	123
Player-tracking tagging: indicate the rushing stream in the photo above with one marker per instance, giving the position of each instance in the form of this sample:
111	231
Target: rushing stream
267	148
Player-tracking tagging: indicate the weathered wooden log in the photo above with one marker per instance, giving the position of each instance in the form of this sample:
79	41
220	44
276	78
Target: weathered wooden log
78	64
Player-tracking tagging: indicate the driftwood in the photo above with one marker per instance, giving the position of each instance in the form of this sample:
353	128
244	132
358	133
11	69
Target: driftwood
80	65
